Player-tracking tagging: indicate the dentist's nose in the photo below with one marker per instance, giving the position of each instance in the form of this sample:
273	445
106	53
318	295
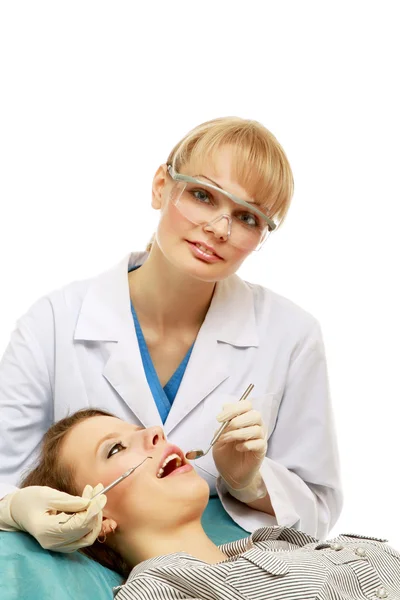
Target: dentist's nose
153	436
220	227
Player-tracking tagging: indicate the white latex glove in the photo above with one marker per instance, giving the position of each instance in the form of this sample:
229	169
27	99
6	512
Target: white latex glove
240	451
40	510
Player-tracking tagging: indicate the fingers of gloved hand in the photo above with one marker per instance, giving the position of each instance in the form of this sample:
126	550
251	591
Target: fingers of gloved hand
61	501
90	491
85	540
98	488
237	435
83	521
234	409
248	419
91	537
95	507
258	447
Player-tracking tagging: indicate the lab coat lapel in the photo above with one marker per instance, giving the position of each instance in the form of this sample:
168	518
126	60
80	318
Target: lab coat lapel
229	326
106	317
208	367
124	371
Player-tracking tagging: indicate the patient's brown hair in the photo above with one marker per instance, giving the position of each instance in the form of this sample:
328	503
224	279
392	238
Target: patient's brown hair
50	471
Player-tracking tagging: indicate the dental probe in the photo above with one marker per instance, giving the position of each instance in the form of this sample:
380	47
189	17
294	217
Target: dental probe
111	485
117	481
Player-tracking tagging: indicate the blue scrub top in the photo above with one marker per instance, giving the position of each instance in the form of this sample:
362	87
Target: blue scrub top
163	396
216	522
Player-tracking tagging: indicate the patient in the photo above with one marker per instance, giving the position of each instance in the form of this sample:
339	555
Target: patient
152	530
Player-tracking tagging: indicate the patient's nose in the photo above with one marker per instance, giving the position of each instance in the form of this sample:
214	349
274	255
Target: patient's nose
153	436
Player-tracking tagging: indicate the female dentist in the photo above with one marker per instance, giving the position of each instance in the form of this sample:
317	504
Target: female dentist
173	337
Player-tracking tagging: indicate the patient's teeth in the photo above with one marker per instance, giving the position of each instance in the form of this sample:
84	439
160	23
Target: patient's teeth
173	456
169	458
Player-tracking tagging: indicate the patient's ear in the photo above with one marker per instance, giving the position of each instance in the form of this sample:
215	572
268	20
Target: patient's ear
108	526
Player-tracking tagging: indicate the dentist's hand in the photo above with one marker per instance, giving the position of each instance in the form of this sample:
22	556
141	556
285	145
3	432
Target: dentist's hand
41	510
240	451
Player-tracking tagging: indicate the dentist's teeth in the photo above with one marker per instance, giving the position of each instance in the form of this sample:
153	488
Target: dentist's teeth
205	250
175	457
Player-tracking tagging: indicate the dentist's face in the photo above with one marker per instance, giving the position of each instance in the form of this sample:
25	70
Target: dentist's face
203	252
164	491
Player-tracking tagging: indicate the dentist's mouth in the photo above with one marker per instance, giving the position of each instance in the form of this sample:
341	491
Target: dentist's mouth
205	249
204	252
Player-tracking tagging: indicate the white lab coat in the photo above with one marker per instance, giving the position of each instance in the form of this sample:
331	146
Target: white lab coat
77	348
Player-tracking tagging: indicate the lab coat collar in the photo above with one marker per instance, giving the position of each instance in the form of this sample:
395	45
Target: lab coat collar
231	314
106	308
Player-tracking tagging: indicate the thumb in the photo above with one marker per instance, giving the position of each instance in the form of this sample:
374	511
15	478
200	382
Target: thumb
67	503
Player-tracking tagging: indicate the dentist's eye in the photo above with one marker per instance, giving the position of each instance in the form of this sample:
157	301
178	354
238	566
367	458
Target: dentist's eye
202	196
115	449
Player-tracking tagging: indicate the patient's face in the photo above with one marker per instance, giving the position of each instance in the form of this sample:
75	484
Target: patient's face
100	449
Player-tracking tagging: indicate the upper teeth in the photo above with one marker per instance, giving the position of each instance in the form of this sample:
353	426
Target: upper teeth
205	250
167	460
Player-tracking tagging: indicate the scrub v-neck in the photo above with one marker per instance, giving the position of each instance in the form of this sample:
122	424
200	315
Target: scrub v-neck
163	396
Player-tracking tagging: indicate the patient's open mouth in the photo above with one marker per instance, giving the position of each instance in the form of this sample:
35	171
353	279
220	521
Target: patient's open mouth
172	462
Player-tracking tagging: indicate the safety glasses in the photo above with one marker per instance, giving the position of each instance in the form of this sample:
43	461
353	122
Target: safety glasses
203	203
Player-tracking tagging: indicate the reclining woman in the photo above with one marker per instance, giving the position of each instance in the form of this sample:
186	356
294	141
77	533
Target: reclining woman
152	533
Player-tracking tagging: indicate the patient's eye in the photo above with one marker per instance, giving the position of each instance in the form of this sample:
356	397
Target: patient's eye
115	448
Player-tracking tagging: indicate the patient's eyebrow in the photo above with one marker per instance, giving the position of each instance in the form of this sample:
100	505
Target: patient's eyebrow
114	435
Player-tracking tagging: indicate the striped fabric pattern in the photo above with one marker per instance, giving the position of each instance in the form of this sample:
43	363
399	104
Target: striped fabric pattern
274	563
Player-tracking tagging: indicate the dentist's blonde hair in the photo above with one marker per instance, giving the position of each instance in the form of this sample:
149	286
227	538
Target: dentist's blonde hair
259	163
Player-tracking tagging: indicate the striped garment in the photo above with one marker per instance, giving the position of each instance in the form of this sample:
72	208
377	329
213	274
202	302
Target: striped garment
274	563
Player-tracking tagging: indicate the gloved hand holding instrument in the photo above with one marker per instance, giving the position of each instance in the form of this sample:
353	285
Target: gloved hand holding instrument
40	510
240	451
239	447
43	512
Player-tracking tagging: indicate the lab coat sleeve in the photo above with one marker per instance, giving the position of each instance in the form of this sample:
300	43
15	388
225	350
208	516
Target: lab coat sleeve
301	468
25	395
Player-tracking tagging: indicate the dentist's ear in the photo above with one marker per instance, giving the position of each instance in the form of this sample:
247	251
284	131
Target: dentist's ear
159	181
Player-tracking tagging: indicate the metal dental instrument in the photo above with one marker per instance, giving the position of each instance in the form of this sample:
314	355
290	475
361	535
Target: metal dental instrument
111	485
195	454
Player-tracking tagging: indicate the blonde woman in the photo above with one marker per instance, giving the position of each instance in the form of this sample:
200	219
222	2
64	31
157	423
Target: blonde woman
172	336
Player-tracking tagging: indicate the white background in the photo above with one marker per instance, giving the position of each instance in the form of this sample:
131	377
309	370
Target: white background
95	94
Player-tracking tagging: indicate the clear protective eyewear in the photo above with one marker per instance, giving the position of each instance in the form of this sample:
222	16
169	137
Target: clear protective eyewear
203	203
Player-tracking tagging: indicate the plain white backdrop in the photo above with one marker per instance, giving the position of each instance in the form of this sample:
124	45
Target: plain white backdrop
95	94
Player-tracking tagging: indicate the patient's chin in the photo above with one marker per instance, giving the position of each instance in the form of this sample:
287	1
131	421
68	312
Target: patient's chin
197	498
